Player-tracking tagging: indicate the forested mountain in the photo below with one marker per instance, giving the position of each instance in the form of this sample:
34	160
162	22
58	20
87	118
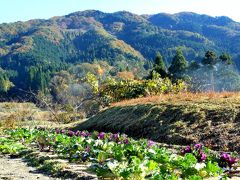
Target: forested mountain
31	51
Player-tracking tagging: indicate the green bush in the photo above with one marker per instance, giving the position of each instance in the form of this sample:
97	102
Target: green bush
112	90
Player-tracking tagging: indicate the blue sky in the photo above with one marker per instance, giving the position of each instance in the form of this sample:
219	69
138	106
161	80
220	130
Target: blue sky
22	10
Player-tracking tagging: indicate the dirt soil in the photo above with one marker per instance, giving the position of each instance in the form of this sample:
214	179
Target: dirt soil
14	169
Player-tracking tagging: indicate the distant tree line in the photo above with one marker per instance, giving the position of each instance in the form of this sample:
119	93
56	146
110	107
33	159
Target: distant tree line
213	73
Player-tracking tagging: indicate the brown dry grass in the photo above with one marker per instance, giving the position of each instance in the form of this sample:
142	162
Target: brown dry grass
209	118
13	115
210	97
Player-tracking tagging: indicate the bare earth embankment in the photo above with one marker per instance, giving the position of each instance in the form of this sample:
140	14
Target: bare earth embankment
209	118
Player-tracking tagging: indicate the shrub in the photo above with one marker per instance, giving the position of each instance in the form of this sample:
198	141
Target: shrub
112	90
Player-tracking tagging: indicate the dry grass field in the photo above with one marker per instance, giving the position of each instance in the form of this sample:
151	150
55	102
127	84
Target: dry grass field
14	114
208	98
210	118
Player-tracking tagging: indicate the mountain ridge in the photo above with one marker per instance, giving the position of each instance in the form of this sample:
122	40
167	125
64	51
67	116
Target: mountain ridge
112	22
122	38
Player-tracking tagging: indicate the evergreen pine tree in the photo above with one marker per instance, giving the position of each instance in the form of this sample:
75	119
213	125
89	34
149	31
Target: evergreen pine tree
159	66
210	58
226	58
179	65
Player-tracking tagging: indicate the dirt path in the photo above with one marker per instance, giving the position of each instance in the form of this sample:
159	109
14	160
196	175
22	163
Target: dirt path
14	169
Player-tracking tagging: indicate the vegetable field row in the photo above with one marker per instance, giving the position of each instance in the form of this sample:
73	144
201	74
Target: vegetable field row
121	157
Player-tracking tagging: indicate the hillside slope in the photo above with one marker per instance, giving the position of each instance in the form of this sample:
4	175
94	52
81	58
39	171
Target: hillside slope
58	38
184	119
123	39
